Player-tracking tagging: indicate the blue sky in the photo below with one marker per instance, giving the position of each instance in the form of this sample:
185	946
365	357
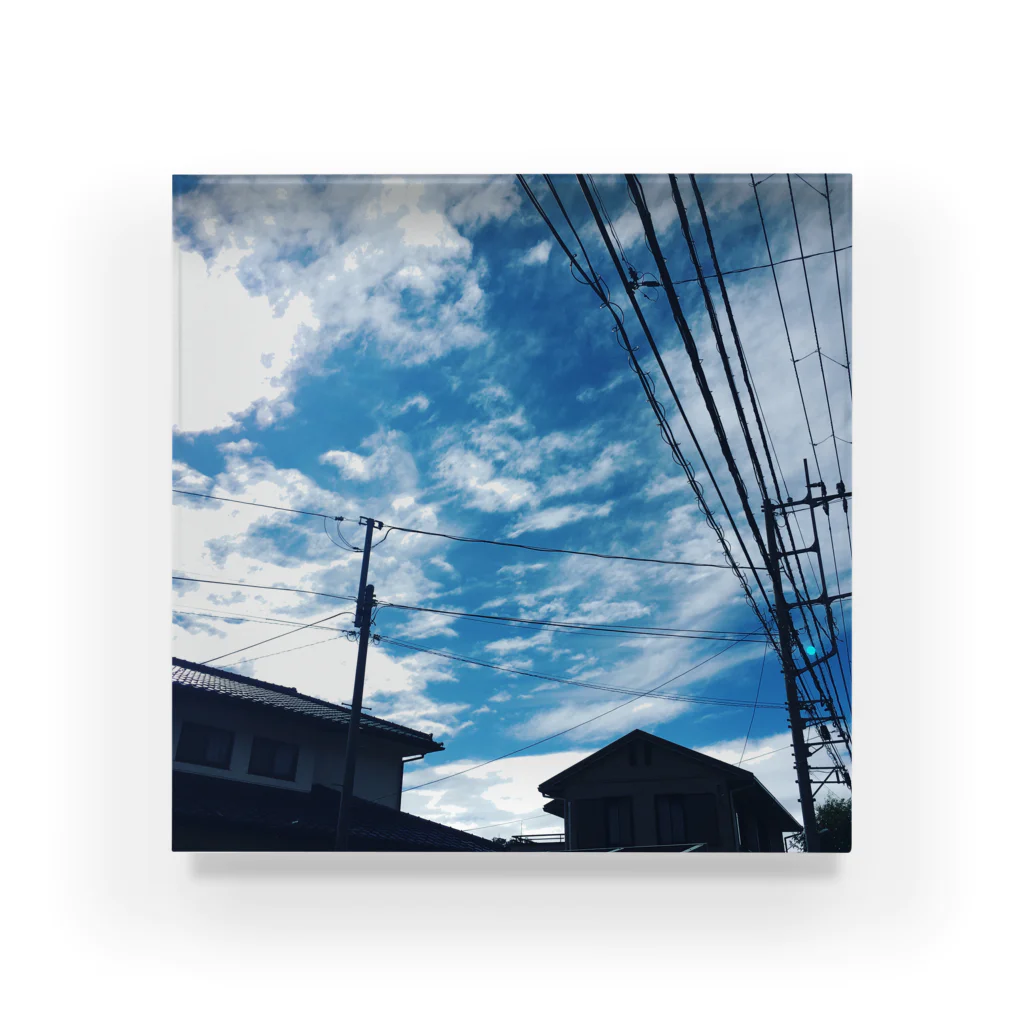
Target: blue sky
418	351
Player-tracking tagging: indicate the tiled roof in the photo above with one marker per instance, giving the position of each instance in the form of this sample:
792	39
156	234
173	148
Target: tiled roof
300	820
286	698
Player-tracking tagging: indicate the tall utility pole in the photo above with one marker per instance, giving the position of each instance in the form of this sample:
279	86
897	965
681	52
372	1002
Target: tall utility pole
796	724
364	614
811	657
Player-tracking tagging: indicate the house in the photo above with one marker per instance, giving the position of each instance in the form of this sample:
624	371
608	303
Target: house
259	767
642	792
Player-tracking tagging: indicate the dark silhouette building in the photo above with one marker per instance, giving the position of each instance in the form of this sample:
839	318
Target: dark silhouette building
642	792
259	766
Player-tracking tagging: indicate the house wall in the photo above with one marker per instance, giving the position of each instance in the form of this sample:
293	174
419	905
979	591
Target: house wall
379	765
667	773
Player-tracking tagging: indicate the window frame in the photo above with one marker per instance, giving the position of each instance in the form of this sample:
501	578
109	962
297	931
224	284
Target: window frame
256	749
187	734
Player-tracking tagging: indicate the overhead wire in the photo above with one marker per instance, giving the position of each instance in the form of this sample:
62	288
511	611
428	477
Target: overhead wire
723	702
681	633
792	355
839	287
745	371
513	821
256	504
388	527
690	343
264	586
824	384
562	551
595	283
765	266
280	636
288	650
676	632
563	732
753	711
817	342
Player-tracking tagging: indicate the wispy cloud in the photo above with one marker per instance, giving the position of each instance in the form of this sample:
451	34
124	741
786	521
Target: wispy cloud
538	255
553	518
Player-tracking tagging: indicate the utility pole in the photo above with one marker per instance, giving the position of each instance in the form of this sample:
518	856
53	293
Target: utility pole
796	725
364	613
787	644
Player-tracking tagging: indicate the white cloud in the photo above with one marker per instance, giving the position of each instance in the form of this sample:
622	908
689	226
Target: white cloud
348	464
552	518
538	255
520	569
234	349
388	459
497	792
589	394
493	199
611	461
484	488
517	643
187	478
243	447
664	484
490	395
420	402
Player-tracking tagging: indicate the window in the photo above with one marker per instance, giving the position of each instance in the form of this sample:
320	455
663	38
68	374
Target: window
601	823
618	821
203	744
671	818
687	818
273	759
702	818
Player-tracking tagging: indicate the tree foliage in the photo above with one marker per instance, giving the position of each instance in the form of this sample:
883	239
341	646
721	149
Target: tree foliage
834	818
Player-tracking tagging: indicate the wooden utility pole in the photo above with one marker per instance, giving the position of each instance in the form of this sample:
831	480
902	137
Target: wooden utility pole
364	614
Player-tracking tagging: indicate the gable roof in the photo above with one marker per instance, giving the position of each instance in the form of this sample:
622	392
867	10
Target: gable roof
288	700
553	786
308	820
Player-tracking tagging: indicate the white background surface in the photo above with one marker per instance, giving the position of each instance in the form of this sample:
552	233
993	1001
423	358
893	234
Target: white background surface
106	101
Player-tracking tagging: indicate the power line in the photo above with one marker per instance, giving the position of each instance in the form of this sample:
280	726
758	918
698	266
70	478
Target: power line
726	702
237	617
280	636
813	189
709	305
601	627
765	266
796	374
828	402
839	289
513	821
475	540
571	728
764	753
753	712
348	634
595	283
261	586
675	632
564	551
814	325
695	361
256	504
747	378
